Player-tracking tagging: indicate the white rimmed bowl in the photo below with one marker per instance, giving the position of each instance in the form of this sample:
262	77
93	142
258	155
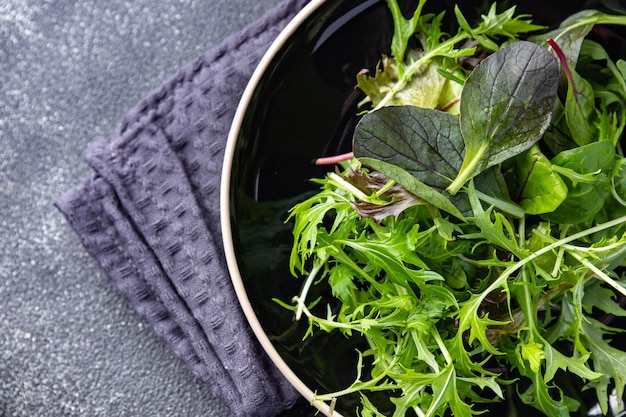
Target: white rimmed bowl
301	104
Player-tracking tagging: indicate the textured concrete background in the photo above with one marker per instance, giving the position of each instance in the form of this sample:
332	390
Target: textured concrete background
69	70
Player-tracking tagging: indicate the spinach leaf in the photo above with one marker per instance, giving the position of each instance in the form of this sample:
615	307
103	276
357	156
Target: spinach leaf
596	52
580	110
541	189
584	198
506	106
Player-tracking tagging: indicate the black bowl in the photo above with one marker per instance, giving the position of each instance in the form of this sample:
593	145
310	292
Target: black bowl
301	104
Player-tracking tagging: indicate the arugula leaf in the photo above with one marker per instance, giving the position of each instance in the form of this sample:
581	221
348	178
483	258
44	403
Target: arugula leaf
404	28
539	396
309	215
445	385
607	360
493	26
577	365
507	24
493	227
597	296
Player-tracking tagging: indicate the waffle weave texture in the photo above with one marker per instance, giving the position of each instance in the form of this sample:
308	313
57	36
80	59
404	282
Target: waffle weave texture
149	215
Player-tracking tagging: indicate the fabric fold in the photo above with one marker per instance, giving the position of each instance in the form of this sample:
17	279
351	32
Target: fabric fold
149	215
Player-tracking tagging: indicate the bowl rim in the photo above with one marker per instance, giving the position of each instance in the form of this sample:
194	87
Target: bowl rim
235	274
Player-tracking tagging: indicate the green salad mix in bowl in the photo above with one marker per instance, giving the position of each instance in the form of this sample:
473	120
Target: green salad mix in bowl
475	236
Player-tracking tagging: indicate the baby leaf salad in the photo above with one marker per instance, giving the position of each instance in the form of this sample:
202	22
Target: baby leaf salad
475	239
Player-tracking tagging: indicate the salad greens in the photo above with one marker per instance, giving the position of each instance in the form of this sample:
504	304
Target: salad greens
476	240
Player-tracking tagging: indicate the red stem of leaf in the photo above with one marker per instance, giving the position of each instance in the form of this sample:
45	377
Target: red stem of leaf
330	160
450	104
559	53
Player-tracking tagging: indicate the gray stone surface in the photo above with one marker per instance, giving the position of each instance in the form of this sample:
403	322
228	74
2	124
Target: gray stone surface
69	343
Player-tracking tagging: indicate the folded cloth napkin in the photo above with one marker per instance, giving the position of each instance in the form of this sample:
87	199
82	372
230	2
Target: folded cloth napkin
149	215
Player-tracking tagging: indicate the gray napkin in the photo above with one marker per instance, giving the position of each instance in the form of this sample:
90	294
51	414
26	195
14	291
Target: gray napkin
149	215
